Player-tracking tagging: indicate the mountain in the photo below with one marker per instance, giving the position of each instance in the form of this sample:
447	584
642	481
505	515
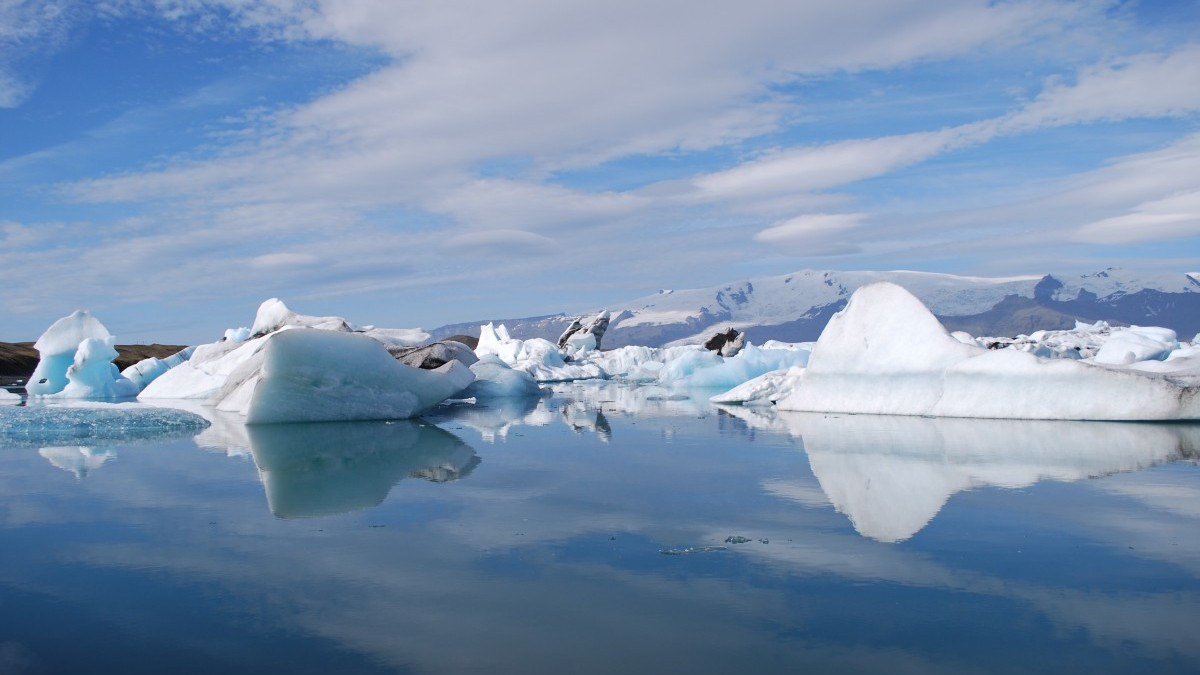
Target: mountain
795	307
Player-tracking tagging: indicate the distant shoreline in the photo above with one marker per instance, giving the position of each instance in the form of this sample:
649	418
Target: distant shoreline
19	359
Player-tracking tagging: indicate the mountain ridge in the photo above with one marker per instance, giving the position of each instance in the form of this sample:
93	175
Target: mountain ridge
795	307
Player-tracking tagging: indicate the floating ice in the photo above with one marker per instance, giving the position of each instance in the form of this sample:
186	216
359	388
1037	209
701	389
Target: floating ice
53	425
495	379
886	353
206	371
306	375
688	366
764	389
57	347
147	370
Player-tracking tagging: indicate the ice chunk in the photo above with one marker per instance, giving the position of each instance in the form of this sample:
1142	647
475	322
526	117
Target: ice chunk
764	389
149	369
886	353
54	425
310	375
273	314
1129	345
495	379
93	375
204	373
57	347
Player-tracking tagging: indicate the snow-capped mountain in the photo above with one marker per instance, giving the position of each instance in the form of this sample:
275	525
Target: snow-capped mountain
796	307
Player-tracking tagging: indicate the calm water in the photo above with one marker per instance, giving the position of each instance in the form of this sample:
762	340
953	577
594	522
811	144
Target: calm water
607	530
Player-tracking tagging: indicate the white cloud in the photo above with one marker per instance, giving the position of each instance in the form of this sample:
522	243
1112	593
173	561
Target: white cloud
1144	85
284	260
1173	217
821	167
810	227
502	243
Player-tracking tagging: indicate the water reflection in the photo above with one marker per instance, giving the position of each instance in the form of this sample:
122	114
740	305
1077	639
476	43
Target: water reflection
77	459
892	475
333	467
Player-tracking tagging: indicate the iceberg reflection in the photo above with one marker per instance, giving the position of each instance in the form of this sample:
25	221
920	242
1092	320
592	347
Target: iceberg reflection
77	459
891	475
325	468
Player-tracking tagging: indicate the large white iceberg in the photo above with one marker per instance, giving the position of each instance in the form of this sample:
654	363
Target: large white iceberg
205	372
886	353
307	375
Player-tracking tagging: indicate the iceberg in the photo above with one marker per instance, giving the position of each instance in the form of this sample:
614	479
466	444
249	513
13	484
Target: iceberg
76	361
308	375
678	367
147	370
202	375
886	353
495	379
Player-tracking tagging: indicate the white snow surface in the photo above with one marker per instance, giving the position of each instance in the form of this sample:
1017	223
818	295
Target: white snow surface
307	375
886	353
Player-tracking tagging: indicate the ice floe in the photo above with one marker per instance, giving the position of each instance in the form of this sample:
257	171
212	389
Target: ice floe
83	424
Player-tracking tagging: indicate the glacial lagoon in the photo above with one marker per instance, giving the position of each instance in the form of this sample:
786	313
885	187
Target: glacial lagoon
604	529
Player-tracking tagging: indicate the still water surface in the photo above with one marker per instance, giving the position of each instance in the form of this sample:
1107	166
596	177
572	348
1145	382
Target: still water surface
607	530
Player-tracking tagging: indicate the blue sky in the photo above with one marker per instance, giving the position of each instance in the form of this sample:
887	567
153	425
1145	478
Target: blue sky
169	164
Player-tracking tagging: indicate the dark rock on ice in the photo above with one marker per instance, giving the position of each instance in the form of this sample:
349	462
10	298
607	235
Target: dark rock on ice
596	326
728	343
435	354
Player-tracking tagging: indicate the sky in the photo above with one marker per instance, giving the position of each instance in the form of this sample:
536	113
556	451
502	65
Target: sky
169	164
